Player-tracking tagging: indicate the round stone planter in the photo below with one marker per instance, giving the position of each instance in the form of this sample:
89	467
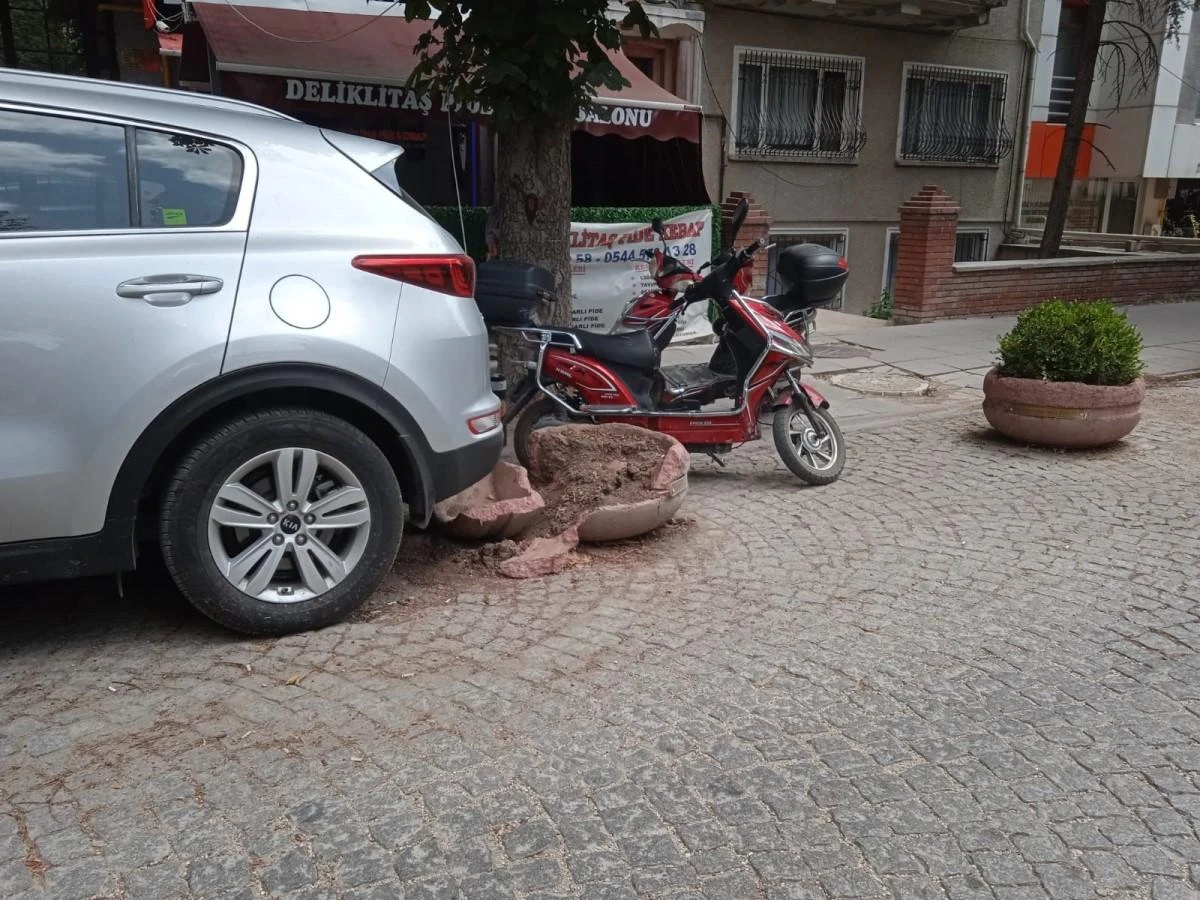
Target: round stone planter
1061	414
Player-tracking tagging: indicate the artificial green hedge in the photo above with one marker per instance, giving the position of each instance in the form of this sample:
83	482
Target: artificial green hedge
475	220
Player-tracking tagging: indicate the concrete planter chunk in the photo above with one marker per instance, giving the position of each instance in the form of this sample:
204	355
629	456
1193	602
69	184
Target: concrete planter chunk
1061	414
502	505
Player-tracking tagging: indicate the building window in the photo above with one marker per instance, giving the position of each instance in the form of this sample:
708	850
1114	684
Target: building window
40	34
953	116
834	240
970	245
798	106
656	59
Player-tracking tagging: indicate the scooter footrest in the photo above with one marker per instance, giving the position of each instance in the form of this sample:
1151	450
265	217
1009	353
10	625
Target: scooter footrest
686	376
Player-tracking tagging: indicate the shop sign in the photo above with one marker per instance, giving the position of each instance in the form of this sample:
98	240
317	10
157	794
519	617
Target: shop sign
609	267
379	96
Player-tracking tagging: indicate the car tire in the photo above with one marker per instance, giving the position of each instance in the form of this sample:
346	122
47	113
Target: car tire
224	507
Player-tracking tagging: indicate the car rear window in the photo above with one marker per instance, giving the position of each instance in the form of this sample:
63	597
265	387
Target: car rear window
389	176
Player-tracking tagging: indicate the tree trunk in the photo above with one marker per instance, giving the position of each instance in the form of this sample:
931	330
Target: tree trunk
533	205
533	219
1060	195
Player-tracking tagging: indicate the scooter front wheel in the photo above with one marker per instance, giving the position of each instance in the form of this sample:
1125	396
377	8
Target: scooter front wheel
816	455
540	413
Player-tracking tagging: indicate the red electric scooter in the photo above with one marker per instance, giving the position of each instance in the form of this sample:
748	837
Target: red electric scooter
580	376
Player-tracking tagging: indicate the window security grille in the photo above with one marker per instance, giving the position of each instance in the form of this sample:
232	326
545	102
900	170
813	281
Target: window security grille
954	115
799	106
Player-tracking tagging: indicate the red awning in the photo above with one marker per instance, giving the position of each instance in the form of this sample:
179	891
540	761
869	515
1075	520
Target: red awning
293	60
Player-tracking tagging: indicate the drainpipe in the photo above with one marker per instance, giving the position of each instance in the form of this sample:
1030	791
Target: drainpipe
1017	195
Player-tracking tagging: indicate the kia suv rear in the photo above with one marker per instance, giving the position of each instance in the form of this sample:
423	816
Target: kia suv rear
231	334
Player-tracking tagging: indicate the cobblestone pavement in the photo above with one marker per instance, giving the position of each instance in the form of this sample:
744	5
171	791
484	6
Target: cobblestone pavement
968	669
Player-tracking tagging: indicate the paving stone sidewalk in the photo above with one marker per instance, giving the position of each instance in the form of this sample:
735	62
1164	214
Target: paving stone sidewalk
952	356
967	669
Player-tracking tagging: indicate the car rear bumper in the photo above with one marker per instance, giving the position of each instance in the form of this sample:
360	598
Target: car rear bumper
456	470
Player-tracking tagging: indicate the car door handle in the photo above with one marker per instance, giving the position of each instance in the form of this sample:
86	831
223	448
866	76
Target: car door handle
168	290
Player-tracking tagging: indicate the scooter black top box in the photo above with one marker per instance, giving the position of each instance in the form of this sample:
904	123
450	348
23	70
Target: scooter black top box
507	293
809	275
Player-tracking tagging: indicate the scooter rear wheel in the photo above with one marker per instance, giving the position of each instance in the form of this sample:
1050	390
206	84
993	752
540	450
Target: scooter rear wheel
542	412
812	455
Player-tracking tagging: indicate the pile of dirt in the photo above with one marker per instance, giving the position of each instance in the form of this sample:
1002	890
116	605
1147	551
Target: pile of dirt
579	468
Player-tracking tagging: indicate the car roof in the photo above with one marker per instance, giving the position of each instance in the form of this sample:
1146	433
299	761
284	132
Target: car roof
179	108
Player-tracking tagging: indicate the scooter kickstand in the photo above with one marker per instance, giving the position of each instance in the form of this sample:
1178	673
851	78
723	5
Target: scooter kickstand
720	462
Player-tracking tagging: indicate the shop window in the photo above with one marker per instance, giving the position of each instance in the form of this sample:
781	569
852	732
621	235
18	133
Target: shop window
798	106
186	182
953	115
60	174
1097	205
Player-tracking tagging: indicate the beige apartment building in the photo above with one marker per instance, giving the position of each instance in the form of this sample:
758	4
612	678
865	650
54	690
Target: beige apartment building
833	112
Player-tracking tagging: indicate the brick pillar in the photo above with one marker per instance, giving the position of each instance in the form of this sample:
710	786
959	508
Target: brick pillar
925	260
756	227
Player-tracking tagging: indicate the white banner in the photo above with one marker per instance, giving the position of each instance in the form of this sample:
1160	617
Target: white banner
609	267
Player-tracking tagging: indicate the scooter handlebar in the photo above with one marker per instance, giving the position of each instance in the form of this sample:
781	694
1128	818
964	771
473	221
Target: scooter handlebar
718	284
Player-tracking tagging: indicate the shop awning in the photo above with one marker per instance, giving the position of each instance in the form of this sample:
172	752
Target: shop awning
293	59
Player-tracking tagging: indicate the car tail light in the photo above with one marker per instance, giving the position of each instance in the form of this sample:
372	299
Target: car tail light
485	423
453	275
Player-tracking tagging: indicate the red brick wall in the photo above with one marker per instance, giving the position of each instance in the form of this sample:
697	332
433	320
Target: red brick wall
757	227
930	286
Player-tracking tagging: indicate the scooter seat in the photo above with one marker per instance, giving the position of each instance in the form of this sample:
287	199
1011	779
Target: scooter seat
635	349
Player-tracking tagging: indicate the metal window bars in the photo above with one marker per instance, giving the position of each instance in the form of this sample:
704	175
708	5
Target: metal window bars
799	106
955	116
970	246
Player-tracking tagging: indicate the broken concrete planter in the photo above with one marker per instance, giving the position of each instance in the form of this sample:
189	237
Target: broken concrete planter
1061	414
501	506
664	493
667	491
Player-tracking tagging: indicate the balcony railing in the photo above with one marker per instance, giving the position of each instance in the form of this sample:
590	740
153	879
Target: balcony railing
931	16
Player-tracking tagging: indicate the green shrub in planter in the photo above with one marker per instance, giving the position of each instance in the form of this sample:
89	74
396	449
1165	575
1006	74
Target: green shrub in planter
1088	343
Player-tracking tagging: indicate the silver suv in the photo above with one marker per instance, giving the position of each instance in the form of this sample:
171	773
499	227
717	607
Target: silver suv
229	333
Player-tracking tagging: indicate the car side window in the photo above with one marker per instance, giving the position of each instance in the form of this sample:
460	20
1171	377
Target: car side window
185	181
61	174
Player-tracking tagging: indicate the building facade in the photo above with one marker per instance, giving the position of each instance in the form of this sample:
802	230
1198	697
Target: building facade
1139	166
833	114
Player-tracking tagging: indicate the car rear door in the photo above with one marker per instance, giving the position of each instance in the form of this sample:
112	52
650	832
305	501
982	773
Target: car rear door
120	253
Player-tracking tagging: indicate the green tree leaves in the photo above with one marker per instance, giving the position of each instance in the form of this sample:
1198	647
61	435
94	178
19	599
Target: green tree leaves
532	62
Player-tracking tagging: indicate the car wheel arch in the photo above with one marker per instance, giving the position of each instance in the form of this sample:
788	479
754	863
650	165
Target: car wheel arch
343	394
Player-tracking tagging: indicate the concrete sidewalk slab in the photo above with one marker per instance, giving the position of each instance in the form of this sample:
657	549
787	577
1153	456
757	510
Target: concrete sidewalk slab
954	354
1170	332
